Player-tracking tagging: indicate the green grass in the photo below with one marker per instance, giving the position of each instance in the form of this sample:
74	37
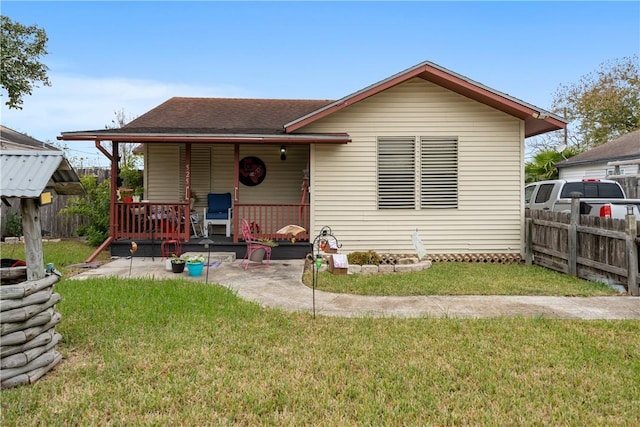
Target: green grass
459	278
62	254
143	352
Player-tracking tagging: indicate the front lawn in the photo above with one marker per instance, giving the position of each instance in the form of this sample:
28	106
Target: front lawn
145	352
460	278
150	352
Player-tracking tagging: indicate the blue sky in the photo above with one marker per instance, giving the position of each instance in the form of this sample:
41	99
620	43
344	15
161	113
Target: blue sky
110	56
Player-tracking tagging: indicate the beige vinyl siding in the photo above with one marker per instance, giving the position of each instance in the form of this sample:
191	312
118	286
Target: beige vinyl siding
490	146
162	172
220	174
200	174
213	172
284	177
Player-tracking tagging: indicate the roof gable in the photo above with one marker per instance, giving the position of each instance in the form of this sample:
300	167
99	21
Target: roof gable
537	120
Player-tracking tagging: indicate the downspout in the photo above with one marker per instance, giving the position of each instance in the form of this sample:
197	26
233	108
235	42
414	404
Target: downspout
95	254
113	177
102	149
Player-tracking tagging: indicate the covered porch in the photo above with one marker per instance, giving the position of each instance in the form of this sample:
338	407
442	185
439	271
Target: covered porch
193	147
179	174
267	185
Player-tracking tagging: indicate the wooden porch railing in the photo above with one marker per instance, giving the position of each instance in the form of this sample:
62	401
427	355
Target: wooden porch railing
152	221
170	220
267	219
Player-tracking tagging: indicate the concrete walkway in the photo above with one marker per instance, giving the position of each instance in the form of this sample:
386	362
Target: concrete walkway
280	286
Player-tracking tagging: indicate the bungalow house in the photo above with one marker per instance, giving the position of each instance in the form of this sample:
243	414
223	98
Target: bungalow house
425	149
620	156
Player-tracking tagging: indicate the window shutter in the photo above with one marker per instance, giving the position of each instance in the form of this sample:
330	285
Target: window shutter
396	173
438	173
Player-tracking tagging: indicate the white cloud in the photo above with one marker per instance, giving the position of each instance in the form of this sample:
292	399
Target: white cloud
75	103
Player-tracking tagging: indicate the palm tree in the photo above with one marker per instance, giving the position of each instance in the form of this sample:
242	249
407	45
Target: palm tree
543	165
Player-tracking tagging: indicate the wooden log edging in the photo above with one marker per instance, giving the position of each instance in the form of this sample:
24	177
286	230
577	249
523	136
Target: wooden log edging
28	338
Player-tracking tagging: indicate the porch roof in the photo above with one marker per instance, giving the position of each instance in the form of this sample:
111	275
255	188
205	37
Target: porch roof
217	120
157	137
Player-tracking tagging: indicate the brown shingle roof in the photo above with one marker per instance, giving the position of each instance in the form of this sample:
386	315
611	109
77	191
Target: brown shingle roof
223	115
623	148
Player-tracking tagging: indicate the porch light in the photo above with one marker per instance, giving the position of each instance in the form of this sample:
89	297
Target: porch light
283	152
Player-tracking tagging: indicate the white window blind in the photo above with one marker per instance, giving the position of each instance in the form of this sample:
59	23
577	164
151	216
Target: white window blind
396	173
438	172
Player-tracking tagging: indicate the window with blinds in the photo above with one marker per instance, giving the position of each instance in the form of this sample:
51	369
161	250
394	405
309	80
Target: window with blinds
438	173
435	174
396	173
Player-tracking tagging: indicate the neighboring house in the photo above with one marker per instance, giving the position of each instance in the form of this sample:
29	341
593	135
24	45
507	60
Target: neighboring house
426	149
620	156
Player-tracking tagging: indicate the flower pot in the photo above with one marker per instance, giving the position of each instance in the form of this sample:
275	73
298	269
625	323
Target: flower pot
258	255
195	268
177	267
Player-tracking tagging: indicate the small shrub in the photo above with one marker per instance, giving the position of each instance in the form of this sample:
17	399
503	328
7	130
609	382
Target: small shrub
14	225
364	258
94	207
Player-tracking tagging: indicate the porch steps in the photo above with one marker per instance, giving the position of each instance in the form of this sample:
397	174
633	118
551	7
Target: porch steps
214	256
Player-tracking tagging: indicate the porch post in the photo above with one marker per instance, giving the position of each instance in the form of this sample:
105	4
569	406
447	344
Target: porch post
114	188
187	191
187	175
236	190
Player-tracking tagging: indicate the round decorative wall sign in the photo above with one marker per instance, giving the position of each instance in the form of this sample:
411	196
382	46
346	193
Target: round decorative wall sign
252	171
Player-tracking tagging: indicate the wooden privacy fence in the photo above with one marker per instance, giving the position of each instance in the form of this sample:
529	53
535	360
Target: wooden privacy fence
592	248
51	222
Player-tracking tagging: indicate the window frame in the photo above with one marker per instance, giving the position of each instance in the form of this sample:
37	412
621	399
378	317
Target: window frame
442	165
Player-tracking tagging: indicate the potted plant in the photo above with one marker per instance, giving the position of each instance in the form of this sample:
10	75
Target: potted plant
137	194
258	254
268	242
177	263
195	264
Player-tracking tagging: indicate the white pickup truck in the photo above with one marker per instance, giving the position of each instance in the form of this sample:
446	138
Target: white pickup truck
599	197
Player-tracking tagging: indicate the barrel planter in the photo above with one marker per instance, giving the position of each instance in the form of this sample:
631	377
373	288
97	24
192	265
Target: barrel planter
27	326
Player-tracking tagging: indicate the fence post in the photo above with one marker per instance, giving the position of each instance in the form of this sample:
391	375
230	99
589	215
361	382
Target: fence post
572	260
528	241
632	251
